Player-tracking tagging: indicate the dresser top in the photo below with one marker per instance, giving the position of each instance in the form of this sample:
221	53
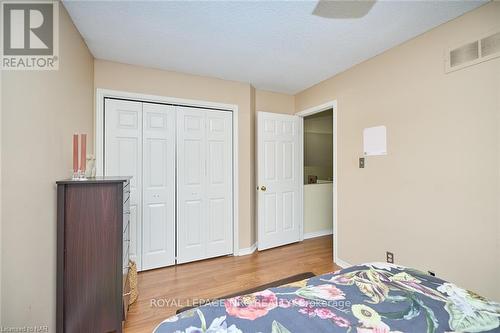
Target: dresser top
96	180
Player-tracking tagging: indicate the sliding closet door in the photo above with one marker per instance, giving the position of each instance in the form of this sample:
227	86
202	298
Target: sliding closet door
204	184
123	157
158	227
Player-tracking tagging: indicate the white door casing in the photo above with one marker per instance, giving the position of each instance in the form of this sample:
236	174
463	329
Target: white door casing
278	179
313	110
204	184
158	156
123	151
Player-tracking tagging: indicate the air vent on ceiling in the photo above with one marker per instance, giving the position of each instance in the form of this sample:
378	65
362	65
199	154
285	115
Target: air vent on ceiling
473	52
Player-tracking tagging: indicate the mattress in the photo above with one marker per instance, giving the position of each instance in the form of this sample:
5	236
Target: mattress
373	297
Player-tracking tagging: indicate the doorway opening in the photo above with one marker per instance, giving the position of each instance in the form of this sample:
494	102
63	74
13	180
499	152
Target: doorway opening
319	192
318	174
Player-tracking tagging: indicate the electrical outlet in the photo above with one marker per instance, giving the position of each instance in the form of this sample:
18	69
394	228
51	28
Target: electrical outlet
389	256
431	273
361	162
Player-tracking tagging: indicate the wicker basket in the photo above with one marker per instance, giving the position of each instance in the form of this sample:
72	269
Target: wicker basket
132	279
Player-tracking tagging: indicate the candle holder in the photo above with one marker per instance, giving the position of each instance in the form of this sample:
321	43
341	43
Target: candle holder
79	168
82	175
79	175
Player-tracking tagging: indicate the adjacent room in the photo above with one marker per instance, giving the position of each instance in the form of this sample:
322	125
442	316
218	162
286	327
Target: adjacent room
250	166
318	174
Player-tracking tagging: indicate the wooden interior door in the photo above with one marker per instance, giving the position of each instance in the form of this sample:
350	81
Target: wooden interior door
278	179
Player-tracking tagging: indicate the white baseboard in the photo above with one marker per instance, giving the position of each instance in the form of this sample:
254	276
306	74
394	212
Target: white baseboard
337	260
247	250
341	263
318	233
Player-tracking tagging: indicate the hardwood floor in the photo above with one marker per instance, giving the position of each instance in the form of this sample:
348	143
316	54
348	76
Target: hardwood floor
163	291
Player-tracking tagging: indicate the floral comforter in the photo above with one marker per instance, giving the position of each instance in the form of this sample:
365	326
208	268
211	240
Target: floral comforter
374	297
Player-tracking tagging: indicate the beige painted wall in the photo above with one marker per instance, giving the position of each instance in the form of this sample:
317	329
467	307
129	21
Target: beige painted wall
40	112
268	101
319	123
116	76
434	200
318	207
253	167
1	191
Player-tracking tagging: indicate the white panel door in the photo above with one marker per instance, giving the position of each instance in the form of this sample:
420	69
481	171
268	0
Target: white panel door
278	179
191	204
158	226
219	183
123	157
204	184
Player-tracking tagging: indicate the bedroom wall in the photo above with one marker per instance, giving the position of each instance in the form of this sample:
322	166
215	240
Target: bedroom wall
253	168
318	161
116	76
1	112
269	101
40	112
318	209
434	199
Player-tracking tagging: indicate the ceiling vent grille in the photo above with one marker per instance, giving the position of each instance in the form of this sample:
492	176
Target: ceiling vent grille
473	53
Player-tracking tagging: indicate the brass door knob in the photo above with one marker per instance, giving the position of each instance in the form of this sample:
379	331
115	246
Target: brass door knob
263	188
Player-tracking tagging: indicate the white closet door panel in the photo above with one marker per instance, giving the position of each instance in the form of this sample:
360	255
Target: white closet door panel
204	184
191	174
158	236
219	183
123	151
193	227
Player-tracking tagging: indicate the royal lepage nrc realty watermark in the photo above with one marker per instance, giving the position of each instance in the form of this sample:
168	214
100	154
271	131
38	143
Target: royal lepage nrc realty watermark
30	35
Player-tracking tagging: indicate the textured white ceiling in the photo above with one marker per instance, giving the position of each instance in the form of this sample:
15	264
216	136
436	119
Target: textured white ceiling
274	45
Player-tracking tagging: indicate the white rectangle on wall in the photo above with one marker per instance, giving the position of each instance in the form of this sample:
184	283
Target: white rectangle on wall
375	141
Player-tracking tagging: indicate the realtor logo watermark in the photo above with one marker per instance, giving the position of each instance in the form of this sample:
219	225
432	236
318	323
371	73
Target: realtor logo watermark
30	35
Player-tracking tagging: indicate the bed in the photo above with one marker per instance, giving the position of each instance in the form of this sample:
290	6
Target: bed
374	297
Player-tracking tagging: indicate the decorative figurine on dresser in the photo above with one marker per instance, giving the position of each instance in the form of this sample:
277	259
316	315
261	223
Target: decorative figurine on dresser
92	254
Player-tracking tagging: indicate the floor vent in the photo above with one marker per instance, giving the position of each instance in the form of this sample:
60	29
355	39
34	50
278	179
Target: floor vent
473	53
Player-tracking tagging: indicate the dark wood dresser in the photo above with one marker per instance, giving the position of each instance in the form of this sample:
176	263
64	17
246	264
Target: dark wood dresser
92	254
